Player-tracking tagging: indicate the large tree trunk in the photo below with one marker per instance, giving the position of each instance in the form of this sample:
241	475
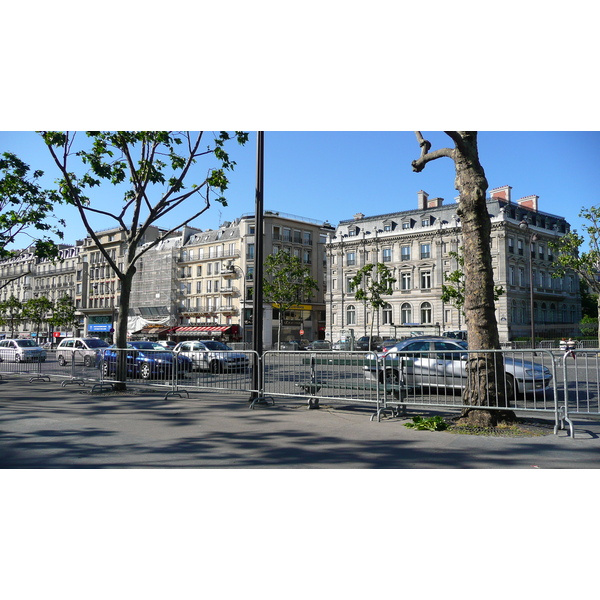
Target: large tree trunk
121	366
485	382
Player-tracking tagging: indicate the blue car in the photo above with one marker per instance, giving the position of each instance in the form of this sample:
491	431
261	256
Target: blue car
147	360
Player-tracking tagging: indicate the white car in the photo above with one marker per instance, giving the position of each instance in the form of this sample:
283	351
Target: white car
21	351
86	350
441	362
212	356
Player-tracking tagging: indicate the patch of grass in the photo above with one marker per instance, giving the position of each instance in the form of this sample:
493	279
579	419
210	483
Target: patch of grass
436	423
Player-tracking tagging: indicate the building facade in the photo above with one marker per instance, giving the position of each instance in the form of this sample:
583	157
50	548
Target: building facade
417	245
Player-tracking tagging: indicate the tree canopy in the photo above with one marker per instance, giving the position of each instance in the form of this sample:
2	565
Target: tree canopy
153	170
26	210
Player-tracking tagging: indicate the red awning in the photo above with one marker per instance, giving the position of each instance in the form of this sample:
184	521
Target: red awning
214	328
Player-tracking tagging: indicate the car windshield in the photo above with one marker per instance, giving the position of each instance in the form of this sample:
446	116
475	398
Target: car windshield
157	346
26	343
96	343
216	346
145	346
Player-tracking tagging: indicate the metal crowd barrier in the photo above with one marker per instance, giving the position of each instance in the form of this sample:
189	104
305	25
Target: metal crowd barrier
580	384
331	376
525	381
565	384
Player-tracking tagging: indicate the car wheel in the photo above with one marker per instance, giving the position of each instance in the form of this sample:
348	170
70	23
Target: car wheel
510	387
391	376
145	371
18	358
61	361
215	366
88	361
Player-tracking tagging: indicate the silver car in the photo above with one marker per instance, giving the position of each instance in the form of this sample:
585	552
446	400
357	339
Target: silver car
86	350
441	362
212	356
21	351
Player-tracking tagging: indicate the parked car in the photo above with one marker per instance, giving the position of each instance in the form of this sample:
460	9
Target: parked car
363	343
170	344
458	335
319	346
213	356
341	346
388	344
441	362
294	345
146	360
21	351
86	350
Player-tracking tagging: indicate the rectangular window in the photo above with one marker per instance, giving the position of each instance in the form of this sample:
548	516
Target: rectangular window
425	251
425	223
250	252
520	247
351	259
511	245
425	280
405	281
405	252
387	254
406	225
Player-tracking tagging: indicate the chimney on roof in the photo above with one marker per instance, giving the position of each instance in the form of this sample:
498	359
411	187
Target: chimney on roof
422	200
358	216
501	193
435	202
529	202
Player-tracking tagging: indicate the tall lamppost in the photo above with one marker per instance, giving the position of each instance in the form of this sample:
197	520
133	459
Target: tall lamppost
532	238
231	268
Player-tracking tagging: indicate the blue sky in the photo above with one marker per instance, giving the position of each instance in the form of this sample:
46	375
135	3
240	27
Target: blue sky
333	175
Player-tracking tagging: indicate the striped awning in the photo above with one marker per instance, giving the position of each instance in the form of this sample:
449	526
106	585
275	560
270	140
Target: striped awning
213	328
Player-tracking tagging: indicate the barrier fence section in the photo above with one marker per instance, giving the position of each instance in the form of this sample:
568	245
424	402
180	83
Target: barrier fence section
527	381
225	371
581	384
523	381
328	376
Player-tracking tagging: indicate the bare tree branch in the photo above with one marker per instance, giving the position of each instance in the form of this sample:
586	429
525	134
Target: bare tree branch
426	156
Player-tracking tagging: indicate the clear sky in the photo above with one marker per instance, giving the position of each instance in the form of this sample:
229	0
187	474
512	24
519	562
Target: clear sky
331	175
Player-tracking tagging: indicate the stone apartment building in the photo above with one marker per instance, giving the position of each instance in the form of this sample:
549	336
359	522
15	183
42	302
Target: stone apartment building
216	278
416	244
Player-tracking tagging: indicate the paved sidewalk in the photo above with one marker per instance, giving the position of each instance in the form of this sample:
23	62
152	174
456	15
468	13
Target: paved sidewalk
44	425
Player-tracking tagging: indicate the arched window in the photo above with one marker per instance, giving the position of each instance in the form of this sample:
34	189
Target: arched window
553	313
426	313
406	313
387	314
544	313
351	315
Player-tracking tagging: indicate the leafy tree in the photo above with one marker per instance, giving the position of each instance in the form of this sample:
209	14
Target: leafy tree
484	381
154	168
25	209
11	314
573	259
454	292
589	302
370	284
63	314
288	284
37	310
